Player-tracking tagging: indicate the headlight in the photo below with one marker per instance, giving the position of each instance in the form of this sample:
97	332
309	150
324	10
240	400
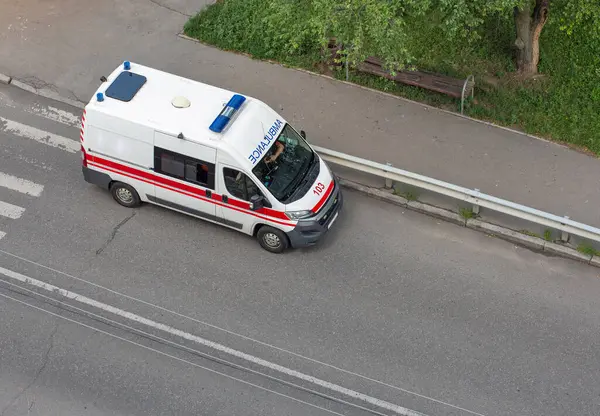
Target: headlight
298	215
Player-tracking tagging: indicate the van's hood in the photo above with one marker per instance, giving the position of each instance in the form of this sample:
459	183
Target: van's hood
318	193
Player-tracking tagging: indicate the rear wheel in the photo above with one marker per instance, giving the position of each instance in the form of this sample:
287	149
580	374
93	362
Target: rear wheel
125	195
272	239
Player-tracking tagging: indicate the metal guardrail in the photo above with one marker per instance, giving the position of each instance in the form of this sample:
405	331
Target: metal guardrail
472	196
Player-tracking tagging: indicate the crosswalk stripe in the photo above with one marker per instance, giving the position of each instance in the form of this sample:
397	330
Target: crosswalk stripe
11	211
40	136
20	185
2	235
56	114
49	112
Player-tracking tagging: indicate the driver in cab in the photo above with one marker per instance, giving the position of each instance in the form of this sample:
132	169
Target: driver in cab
281	144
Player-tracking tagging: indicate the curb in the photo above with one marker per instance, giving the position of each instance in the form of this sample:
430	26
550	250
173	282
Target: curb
533	243
5	79
42	92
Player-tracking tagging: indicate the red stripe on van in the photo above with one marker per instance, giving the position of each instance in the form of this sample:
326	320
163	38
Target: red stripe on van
152	182
81	131
323	199
188	190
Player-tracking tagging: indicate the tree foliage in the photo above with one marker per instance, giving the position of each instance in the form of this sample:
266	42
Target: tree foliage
376	27
379	27
575	14
448	36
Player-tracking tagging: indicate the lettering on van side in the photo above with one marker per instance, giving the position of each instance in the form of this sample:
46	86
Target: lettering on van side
265	142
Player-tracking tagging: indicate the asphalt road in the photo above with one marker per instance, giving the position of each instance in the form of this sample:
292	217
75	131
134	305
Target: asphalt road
67	45
394	305
56	363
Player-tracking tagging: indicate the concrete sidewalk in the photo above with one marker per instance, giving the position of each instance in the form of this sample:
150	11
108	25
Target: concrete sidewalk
68	45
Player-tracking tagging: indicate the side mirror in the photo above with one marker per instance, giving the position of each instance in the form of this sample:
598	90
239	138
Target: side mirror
303	134
256	202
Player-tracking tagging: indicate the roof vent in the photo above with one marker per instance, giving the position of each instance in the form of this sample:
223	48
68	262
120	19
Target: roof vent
180	102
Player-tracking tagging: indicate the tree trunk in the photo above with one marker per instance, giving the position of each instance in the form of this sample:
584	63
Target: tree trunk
529	27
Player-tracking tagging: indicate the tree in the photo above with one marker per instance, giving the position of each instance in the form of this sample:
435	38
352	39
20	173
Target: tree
377	27
529	24
531	16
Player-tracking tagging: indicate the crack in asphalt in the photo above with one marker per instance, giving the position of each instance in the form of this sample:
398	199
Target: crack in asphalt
75	96
113	234
156	2
39	84
37	374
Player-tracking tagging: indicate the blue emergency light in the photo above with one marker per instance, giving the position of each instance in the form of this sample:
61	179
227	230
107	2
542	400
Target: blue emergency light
100	97
127	65
227	113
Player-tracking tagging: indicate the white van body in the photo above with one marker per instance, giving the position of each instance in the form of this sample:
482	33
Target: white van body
150	136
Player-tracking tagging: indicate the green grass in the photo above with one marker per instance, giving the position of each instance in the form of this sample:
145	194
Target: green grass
409	195
530	233
547	234
587	249
466	213
562	104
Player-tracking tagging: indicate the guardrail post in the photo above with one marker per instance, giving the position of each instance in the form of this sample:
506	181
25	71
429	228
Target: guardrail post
475	206
564	236
388	182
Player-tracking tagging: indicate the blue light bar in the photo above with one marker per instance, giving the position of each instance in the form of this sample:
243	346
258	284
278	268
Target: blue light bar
227	113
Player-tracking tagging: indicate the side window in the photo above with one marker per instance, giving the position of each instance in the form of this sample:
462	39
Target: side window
235	182
251	188
171	165
196	172
240	185
184	167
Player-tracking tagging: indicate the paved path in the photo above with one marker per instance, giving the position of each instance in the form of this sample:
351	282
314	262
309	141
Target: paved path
68	45
434	309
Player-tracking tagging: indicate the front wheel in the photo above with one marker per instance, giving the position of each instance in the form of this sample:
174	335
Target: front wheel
272	239
125	195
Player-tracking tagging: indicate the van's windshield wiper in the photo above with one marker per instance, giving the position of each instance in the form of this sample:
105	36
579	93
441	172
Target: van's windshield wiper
304	179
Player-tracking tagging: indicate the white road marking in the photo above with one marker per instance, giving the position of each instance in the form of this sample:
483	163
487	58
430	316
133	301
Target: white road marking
20	185
2	234
259	342
180	346
49	112
170	356
10	211
40	136
399	410
56	114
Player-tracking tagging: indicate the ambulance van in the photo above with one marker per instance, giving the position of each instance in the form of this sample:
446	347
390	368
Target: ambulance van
148	136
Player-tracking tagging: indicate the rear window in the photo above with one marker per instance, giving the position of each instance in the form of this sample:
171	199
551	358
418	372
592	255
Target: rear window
125	86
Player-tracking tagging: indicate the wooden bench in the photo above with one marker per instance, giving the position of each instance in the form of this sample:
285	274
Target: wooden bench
443	84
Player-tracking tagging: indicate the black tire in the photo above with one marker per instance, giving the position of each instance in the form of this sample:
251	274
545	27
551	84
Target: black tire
272	239
125	195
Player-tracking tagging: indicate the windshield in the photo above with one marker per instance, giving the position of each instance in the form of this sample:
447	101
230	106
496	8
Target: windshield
285	164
